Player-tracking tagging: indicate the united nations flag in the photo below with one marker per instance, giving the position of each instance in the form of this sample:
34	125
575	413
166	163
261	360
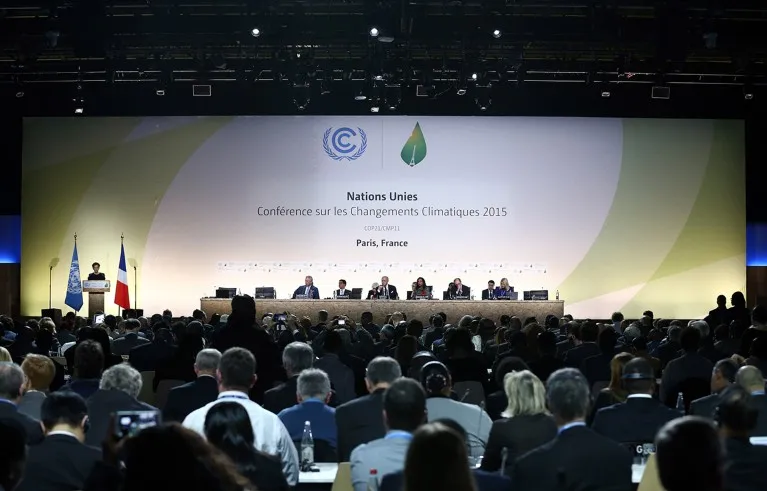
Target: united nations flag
74	287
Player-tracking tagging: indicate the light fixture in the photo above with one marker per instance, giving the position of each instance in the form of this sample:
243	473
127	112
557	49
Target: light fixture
160	92
19	93
360	96
606	94
374	32
461	91
255	32
497	33
474	76
375	109
79	104
378	77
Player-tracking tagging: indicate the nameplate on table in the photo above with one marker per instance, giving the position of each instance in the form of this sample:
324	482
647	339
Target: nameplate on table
460	297
342	297
422	297
302	297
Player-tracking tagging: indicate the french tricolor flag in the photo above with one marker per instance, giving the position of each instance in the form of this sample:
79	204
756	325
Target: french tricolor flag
121	292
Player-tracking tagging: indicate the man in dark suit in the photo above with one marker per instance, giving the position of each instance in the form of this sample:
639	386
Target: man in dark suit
489	293
96	275
296	357
718	316
189	397
577	456
688	453
722	377
11	385
385	290
639	418
130	339
145	357
750	378
360	420
737	416
690	366
309	290
597	368
120	386
585	347
61	461
342	291
460	290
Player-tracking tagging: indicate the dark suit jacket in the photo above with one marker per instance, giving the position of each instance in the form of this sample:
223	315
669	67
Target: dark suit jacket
59	463
577	457
314	292
347	292
392	292
761	425
486	294
96	276
281	397
30	404
145	357
519	435
635	421
32	427
485	481
465	292
124	344
359	421
574	357
705	406
744	468
716	317
189	397
266	473
101	405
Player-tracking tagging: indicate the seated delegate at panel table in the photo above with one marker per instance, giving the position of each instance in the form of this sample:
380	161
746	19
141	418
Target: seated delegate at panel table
504	291
420	290
342	291
489	293
386	291
308	290
458	289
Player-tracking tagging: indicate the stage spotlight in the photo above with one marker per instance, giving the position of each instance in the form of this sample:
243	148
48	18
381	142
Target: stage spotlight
255	32
374	32
497	33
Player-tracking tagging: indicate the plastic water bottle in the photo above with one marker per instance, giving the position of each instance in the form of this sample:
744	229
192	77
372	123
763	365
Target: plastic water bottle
307	446
373	480
557	294
680	403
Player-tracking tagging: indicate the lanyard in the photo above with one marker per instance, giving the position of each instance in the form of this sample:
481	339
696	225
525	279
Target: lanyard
398	434
234	396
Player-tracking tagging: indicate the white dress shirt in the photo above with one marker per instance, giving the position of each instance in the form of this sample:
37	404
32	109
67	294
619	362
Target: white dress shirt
271	436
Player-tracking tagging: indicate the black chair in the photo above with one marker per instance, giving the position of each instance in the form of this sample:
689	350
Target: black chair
323	451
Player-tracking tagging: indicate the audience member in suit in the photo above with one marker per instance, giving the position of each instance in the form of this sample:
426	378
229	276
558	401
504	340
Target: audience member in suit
120	386
526	424
689	455
88	364
296	357
718	316
614	393
435	461
366	320
497	402
180	366
707	348
569	338
640	351
489	292
191	396
145	357
669	349
100	336
757	330
309	290
11	386
597	368
341	376
228	428
585	348
13	453
691	365
62	461
751	379
313	395
360	421
722	376
130	339
737	417
404	410
740	313
639	418
576	456
38	371
548	362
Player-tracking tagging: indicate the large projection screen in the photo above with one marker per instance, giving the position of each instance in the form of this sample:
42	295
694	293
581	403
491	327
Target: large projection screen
615	214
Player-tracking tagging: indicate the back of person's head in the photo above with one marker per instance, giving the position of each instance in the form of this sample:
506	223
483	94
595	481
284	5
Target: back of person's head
366	318
13	453
382	370
607	339
638	376
39	371
616	370
406	349
674	334
689	455
228	428
313	383
438	321
721	300
237	369
207	361
750	378
690	339
63	408
525	393
122	377
759	315
518	339
507	365
11	381
5	355
728	369
417	362
415	328
404	404
333	342
616	317
736	413
196	465
435	378
459	340
738	300
547	343
296	357
568	395
639	344
589	332
437	460
703	327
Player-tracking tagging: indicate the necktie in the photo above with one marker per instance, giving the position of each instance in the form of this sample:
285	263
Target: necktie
307	291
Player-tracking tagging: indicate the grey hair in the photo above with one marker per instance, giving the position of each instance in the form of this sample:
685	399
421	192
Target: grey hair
383	369
750	378
207	360
526	394
122	377
297	357
701	326
47	324
313	383
674	333
465	321
11	380
632	332
568	394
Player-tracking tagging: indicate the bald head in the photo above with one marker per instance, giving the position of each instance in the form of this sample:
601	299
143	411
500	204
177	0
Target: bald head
750	378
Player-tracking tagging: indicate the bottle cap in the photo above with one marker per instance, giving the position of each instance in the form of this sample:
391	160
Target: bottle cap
373	472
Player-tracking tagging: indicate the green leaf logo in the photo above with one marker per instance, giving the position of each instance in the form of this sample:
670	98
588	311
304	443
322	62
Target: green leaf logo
414	150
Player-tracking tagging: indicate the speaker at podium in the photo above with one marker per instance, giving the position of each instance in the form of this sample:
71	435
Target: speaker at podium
96	290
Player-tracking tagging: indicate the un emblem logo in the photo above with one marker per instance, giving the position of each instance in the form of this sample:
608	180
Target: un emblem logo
344	143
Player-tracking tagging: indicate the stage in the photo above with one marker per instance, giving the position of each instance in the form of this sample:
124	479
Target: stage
415	309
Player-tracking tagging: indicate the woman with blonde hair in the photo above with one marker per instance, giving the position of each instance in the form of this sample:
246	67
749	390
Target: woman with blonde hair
614	392
5	356
526	424
503	290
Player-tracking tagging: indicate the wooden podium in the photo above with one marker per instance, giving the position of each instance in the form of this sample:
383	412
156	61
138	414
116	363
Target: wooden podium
95	290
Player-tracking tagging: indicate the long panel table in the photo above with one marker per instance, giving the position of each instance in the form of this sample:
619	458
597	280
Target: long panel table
415	309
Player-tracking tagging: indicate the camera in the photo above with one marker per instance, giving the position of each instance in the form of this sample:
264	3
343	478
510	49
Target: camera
129	423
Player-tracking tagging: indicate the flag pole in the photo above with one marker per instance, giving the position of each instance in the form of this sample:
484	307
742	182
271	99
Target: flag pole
122	243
